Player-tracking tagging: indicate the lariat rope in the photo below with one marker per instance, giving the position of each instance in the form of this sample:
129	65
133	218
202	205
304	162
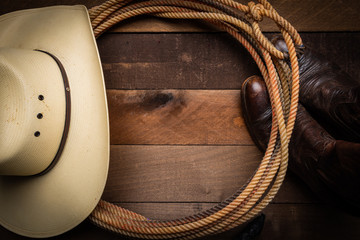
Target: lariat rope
241	22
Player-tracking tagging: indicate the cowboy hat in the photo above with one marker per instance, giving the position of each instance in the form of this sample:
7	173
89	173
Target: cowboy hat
54	134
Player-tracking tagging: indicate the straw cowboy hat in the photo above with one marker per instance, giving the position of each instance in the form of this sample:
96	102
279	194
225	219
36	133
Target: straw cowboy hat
54	134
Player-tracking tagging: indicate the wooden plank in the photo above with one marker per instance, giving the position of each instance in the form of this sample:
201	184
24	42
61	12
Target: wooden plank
306	15
178	173
188	174
176	117
201	61
174	61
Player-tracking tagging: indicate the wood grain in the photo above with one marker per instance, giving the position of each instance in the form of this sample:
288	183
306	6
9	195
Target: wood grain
176	117
202	60
178	173
158	61
188	174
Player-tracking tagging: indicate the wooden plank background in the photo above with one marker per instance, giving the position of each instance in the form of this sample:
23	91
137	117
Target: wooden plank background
305	15
179	143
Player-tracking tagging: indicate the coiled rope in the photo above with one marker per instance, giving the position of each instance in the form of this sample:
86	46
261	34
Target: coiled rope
242	22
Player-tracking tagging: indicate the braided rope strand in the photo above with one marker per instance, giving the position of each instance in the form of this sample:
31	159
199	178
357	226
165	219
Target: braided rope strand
241	22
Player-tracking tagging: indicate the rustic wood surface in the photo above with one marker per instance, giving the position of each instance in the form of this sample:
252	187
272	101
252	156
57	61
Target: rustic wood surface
305	15
178	173
176	117
201	60
179	143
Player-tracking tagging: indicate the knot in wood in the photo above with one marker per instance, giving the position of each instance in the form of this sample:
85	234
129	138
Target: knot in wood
255	11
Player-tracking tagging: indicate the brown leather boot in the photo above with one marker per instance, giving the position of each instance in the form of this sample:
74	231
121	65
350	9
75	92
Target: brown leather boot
330	95
329	167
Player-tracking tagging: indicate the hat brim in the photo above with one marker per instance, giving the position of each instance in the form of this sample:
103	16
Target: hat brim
53	203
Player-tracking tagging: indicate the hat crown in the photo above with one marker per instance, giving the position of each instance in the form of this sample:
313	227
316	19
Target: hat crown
32	105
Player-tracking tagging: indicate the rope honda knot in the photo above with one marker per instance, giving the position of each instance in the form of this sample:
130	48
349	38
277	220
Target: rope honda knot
255	11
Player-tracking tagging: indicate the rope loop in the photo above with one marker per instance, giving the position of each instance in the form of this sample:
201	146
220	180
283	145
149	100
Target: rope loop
255	11
282	82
